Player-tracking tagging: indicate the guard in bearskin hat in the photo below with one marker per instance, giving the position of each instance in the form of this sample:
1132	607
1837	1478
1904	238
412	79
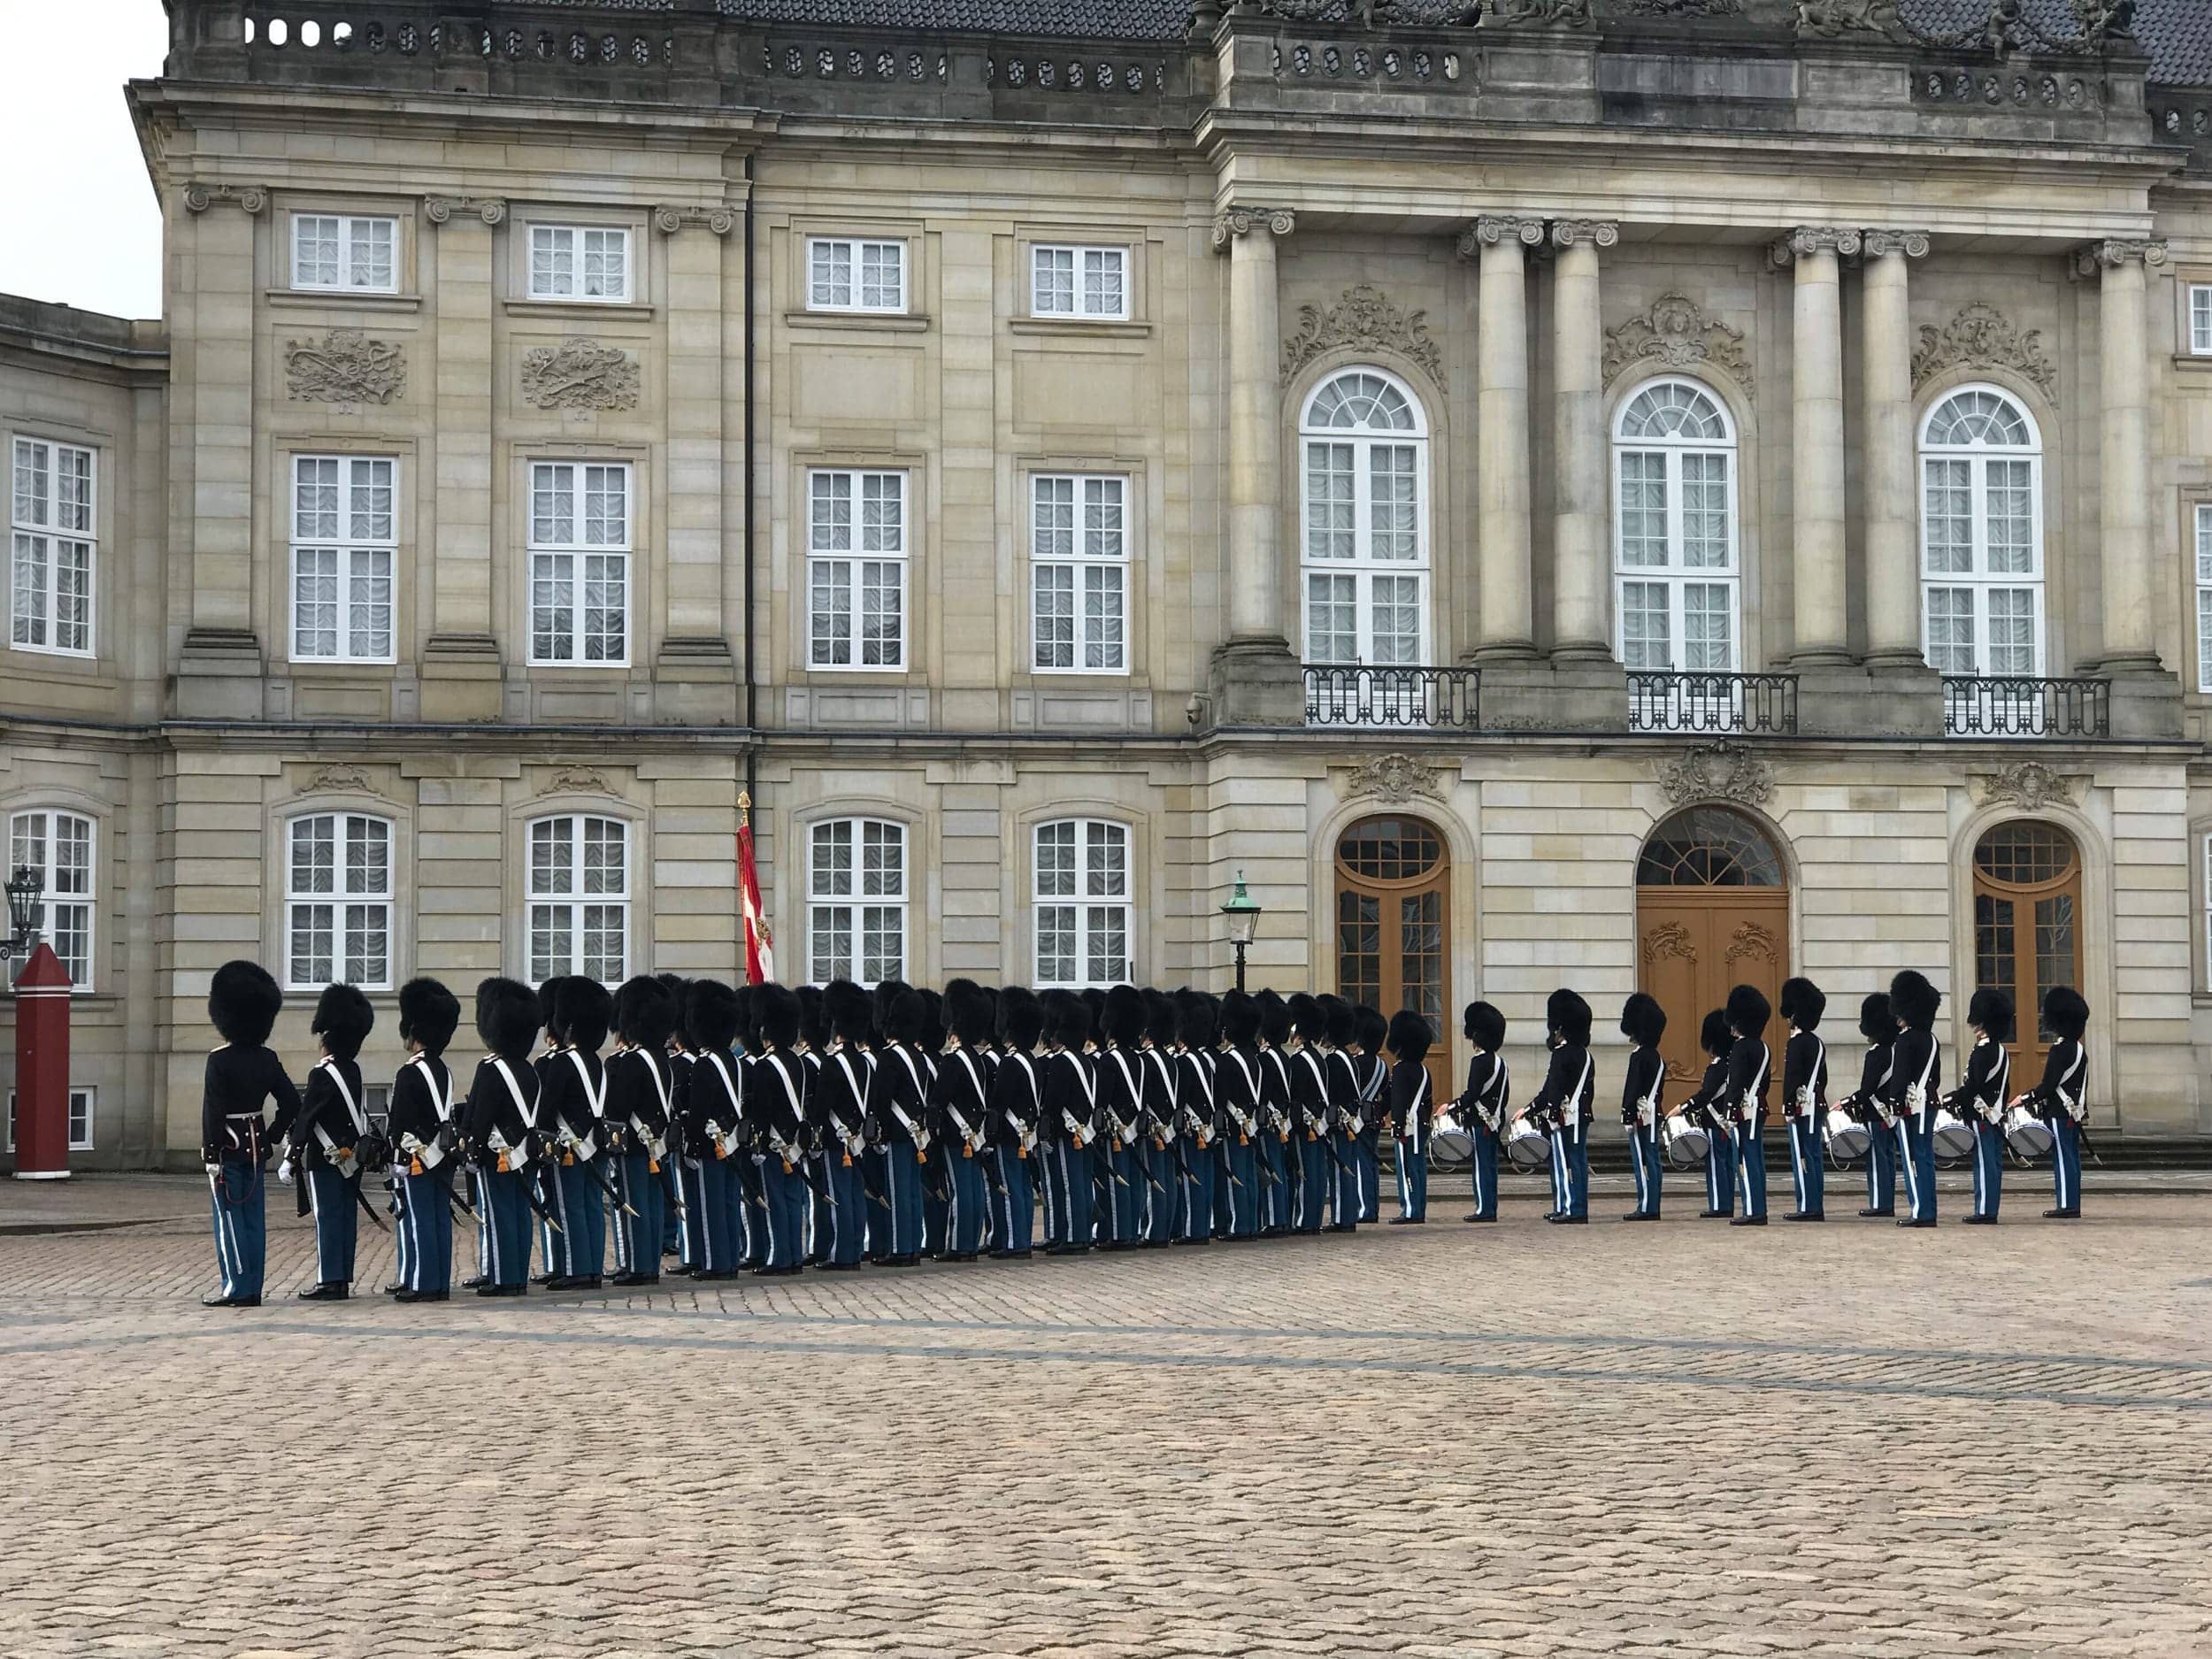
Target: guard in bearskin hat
1864	1105
1279	1172
1156	1140
1371	1034
1197	1115
330	1141
1413	1111
1481	1110
572	1080
1982	1095
2062	1099
1915	1088
840	1111
241	1076
1805	1096
1566	1104
1120	1104
1750	1071
641	1104
898	1101
425	1141
502	1133
1236	1073
1015	1108
1643	1022
711	1116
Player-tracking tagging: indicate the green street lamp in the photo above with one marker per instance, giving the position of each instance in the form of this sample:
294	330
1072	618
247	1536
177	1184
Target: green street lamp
1243	913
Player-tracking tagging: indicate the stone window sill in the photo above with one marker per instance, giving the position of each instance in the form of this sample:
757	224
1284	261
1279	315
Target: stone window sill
876	322
338	300
2190	360
579	310
1077	326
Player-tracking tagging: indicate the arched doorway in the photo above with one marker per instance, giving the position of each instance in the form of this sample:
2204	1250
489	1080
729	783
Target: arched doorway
2027	926
1393	880
1712	912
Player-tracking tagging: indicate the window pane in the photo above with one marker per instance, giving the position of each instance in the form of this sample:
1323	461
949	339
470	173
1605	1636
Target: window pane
1053	283
830	512
1102	617
882	860
883	512
552	940
1107	861
553	505
606	847
883	943
1329	502
1645	626
1643	508
2012	518
1054	591
314	251
606	506
1708	626
1394	501
1103	533
1951	630
883	276
1107	949
832	863
2012	631
372	251
1103	282
368	856
830	274
1055	944
1950	517
1332	618
606	599
314	944
1052	534
830	937
829	612
882	613
314	863
553	607
1705	512
1395	619
553	858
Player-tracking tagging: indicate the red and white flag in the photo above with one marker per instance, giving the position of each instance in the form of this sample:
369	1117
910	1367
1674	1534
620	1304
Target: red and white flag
760	945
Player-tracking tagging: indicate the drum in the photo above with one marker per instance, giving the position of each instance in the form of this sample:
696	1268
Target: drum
1527	1147
1451	1149
1848	1138
2028	1135
1687	1143
1953	1137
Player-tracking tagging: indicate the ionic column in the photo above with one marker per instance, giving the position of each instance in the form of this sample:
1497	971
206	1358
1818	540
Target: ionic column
214	335
1892	556
1817	442
694	245
461	599
1581	584
1256	597
1498	243
2130	625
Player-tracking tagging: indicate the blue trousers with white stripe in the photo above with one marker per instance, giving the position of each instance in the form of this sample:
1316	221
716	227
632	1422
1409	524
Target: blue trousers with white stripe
1275	1184
1570	1169
1482	1169
402	1244
2066	1162
1120	1206
1195	1202
1241	1180
789	1196
330	1197
1643	1151
1720	1171
637	1239
1369	1164
1808	1178
902	1188
969	1211
506	1236
544	1181
1013	1208
843	1238
584	1214
238	1196
1918	1156
1751	1168
1314	1171
1344	1197
709	1246
1155	1207
1989	1166
1881	1167
1069	1200
1413	1182
426	1225
936	1201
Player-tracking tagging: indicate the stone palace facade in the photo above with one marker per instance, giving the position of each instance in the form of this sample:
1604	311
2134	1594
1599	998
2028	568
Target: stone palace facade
1602	492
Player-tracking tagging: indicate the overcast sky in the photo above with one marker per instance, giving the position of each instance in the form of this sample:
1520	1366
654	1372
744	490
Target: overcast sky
78	222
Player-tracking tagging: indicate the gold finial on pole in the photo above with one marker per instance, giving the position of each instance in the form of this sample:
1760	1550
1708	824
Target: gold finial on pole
745	802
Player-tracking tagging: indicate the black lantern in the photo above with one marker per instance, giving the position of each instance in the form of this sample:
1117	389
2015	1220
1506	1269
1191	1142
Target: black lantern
26	890
1243	913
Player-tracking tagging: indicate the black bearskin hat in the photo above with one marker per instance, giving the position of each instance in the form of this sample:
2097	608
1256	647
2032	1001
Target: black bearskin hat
932	1021
748	1018
1568	1017
1803	1003
813	1016
777	1014
971	1010
2065	1012
906	1017
1713	1036
1197	1019
1240	1018
1876	1024
1124	1016
1159	1017
1094	999
1643	1021
549	1005
1340	1019
1913	1000
850	1011
1748	1011
344	1020
507	1018
1067	1018
1306	1015
645	1012
1411	1036
428	1014
1483	1026
1021	1018
583	1010
1991	1011
242	1001
712	1016
1373	1029
1274	1016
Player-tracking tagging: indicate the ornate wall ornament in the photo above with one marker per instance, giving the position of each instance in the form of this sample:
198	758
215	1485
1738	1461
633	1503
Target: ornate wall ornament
438	209
340	778
248	198
1720	770
1685	8
1669	939
1563	14
1394	778
580	375
1751	939
344	366
1363	317
1982	337
1233	222
1676	334
2030	786
1372	13
572	778
1492	228
1830	18
669	220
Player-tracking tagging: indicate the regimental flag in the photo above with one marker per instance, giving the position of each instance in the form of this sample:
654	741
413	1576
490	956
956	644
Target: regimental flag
760	945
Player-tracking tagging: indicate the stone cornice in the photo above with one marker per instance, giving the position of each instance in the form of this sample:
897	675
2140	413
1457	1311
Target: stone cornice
1241	220
248	198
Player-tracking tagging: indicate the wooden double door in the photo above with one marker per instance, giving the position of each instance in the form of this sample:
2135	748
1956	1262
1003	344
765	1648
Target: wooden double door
1392	905
1712	912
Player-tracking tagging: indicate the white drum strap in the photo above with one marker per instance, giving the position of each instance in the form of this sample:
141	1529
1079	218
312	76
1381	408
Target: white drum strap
329	1068
440	1098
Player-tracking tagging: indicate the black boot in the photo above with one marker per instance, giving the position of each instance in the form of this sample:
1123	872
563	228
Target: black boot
335	1290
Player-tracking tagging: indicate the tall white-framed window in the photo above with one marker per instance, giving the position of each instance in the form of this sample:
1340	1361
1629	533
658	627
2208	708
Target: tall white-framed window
1091	284
1365	549
855	577
2204	596
852	273
58	846
54	544
2200	319
82	1101
579	915
580	262
1078	572
345	550
338	900
1981	535
580	562
856	900
1082	903
342	250
1676	578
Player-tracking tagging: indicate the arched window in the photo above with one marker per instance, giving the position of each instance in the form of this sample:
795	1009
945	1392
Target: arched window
1674	532
1365	550
56	848
338	900
856	900
1981	540
579	919
1082	903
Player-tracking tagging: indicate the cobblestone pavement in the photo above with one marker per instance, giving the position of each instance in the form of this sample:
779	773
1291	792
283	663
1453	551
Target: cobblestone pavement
1517	1440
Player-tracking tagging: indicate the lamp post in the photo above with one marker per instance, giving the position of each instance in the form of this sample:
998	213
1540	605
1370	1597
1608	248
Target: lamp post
25	891
41	986
1243	913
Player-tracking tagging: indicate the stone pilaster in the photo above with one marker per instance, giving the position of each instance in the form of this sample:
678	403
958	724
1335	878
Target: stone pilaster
694	671
1816	508
1499	243
461	665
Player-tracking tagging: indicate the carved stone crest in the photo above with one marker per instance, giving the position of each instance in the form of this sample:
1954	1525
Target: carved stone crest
1394	778
2029	784
1505	13
1981	336
1719	771
1676	334
1364	318
575	779
1372	13
344	366
1834	18
580	375
340	778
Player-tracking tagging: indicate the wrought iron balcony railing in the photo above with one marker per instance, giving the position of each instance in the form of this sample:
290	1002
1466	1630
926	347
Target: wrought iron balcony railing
1665	700
2018	706
1343	693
